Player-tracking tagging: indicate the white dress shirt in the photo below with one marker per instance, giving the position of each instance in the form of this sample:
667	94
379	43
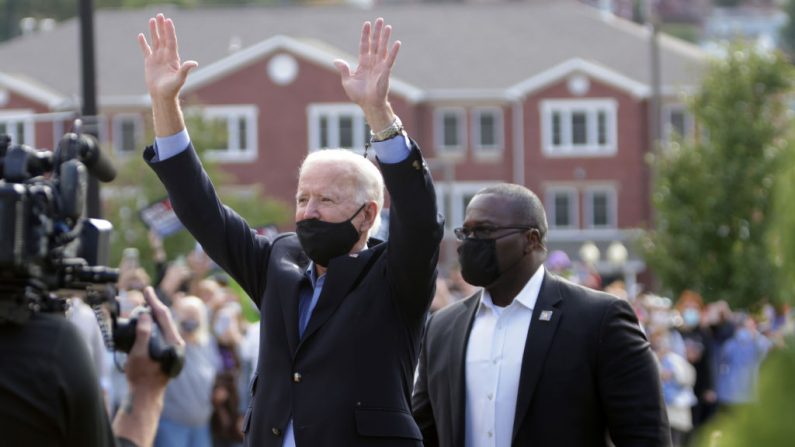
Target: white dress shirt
494	363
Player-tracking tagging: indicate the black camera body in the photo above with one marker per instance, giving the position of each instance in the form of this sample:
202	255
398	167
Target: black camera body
171	359
48	246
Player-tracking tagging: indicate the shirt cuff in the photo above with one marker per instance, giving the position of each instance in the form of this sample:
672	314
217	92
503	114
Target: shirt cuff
393	150
172	145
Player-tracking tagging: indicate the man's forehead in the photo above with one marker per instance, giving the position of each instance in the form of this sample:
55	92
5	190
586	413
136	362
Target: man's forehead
327	179
488	208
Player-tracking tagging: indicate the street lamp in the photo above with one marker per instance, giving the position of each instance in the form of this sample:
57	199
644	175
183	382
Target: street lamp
617	254
589	253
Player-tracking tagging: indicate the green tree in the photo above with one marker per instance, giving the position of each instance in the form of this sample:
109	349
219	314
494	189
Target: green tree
712	197
136	185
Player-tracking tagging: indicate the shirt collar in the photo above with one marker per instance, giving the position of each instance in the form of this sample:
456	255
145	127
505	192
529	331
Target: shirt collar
311	273
526	297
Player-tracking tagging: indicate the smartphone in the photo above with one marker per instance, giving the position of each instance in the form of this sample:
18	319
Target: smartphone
130	258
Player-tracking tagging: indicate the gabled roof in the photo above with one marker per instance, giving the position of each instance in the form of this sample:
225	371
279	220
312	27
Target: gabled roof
315	52
467	49
31	90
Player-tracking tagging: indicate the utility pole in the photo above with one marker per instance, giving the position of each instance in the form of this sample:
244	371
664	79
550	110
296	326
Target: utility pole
655	114
89	111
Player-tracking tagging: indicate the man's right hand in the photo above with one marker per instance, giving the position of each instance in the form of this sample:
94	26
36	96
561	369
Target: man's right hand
165	74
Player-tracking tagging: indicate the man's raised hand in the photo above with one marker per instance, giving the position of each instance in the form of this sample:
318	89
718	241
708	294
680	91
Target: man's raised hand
368	84
164	73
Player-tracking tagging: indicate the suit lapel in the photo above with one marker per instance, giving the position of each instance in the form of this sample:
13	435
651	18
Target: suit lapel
543	325
341	276
459	335
290	285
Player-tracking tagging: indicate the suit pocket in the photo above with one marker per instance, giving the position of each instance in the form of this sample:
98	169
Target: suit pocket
386	423
252	390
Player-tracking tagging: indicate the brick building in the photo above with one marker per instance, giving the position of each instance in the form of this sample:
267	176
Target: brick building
551	94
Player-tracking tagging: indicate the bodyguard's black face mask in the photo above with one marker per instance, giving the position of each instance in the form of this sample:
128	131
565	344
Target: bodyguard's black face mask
478	260
322	240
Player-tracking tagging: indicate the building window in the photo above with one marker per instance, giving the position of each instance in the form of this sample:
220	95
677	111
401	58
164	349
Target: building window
18	124
337	126
677	122
487	130
562	207
234	130
127	133
579	128
450	129
453	198
601	207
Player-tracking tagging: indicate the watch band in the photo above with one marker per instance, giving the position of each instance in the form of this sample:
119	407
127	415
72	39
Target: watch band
392	130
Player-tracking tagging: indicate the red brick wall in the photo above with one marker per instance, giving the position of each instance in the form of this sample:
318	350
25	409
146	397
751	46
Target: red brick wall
43	130
626	168
282	128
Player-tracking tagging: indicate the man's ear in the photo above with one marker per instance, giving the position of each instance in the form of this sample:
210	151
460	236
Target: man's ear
534	239
370	211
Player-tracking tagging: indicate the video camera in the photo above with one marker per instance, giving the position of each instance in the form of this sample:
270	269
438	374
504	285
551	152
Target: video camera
48	246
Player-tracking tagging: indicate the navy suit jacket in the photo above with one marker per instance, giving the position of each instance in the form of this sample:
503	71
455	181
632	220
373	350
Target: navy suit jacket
348	381
587	371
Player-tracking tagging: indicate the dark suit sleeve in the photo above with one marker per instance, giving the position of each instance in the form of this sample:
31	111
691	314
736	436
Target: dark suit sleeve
421	401
223	234
629	381
415	231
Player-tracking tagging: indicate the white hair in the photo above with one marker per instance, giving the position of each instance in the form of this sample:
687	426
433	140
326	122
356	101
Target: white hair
197	305
369	181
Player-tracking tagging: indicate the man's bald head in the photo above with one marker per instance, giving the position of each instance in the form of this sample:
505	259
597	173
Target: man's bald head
525	206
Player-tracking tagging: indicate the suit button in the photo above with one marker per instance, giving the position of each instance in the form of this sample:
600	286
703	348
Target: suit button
276	431
416	165
297	377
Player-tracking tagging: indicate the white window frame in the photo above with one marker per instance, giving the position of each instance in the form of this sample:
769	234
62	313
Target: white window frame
574	206
12	118
234	153
668	128
438	130
495	149
591	107
138	131
332	112
612	212
457	192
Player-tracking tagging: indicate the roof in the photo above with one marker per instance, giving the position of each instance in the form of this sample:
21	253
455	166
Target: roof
448	48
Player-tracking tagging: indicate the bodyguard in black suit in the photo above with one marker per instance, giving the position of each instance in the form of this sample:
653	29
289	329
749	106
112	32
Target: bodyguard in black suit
341	317
532	360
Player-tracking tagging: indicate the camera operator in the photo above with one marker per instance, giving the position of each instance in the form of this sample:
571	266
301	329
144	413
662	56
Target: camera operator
49	392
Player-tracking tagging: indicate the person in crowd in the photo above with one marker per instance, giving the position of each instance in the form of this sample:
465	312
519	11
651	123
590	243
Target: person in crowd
532	359
442	297
227	419
458	287
738	364
678	377
698	342
342	316
185	421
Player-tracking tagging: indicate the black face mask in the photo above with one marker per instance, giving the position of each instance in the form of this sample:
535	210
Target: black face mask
322	241
478	260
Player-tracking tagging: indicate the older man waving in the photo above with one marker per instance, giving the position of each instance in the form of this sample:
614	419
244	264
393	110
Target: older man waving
342	314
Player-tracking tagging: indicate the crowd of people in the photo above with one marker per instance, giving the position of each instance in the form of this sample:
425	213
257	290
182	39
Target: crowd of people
204	405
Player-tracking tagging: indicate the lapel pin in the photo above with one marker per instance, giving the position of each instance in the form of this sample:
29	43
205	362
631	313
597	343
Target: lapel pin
546	315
